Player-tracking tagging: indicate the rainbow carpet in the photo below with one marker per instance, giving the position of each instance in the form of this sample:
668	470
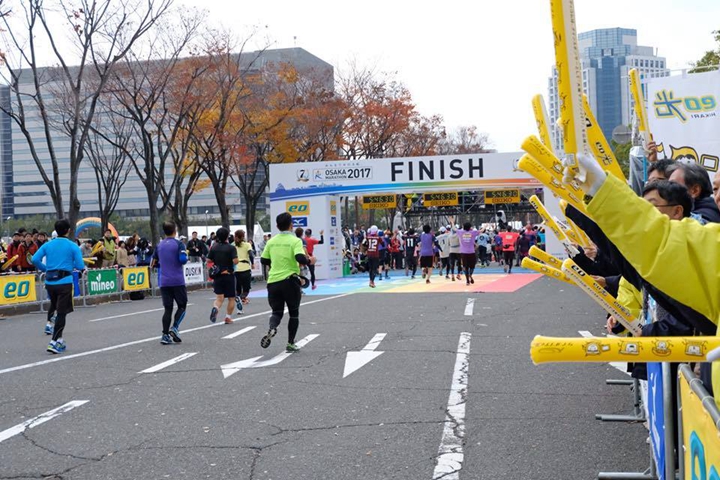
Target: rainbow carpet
487	280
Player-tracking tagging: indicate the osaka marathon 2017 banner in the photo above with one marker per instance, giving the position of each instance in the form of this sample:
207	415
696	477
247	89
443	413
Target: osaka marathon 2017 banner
397	175
684	117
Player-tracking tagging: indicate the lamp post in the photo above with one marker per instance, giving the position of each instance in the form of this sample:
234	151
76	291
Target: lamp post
206	223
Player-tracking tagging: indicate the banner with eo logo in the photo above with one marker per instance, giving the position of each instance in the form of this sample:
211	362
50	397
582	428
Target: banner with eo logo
101	282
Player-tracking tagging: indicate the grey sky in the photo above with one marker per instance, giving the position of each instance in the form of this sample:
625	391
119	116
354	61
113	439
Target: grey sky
474	62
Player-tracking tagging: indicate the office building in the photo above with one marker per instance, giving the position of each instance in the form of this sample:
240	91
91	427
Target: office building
607	56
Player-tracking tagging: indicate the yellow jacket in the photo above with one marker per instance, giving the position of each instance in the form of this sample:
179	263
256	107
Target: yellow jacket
680	258
630	297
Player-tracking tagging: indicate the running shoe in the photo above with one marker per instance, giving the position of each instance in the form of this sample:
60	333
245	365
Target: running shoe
238	300
427	280
505	268
467	283
372	285
175	335
423	275
165	339
314	287
412	278
228	320
379	277
245	301
61	345
459	277
267	339
239	305
291	347
472	280
49	328
453	278
447	277
213	314
54	347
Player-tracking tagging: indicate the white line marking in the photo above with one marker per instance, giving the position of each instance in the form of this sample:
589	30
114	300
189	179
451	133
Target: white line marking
239	332
356	360
40	419
469	307
130	314
172	361
233	368
144	340
450	454
622	366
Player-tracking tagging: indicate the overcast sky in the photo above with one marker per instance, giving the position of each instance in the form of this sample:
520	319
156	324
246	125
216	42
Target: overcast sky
475	62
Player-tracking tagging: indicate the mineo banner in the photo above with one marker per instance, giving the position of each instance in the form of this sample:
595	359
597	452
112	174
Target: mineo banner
193	273
101	282
17	289
701	439
442	173
136	278
684	117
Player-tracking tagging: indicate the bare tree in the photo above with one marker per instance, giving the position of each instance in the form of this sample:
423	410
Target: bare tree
110	163
155	90
102	32
465	139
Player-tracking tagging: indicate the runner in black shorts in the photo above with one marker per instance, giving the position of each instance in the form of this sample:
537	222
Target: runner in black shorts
58	259
411	261
224	256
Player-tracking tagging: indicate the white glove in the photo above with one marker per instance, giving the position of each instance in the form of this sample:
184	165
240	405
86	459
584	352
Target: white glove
594	174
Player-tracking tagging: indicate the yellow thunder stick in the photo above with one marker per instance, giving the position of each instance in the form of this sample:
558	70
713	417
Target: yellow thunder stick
601	296
89	260
545	270
553	226
98	246
543	155
545	257
622	349
583	239
7	264
541	118
599	145
640	113
532	167
567	63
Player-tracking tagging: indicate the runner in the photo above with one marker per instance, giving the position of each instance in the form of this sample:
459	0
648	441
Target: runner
243	270
497	248
310	243
411	261
283	254
62	257
483	240
427	251
454	242
224	257
444	244
509	239
467	251
372	249
383	247
170	256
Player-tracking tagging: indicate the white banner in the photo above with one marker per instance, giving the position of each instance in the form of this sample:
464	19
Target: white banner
397	175
193	273
684	117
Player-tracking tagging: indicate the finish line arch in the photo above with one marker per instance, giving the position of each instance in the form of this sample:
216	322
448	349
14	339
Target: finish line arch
311	191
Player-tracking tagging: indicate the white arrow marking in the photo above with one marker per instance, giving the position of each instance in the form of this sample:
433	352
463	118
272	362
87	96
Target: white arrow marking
40	419
233	368
356	360
239	332
172	361
622	366
469	307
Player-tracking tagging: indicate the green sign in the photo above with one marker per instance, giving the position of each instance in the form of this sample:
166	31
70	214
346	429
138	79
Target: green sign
101	282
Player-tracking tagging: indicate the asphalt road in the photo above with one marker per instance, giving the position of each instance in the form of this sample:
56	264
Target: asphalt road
296	416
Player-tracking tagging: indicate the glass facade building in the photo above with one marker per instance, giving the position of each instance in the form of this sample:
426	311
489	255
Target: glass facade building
607	55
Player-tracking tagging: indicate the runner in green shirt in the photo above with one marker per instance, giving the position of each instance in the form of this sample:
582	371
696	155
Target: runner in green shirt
283	254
